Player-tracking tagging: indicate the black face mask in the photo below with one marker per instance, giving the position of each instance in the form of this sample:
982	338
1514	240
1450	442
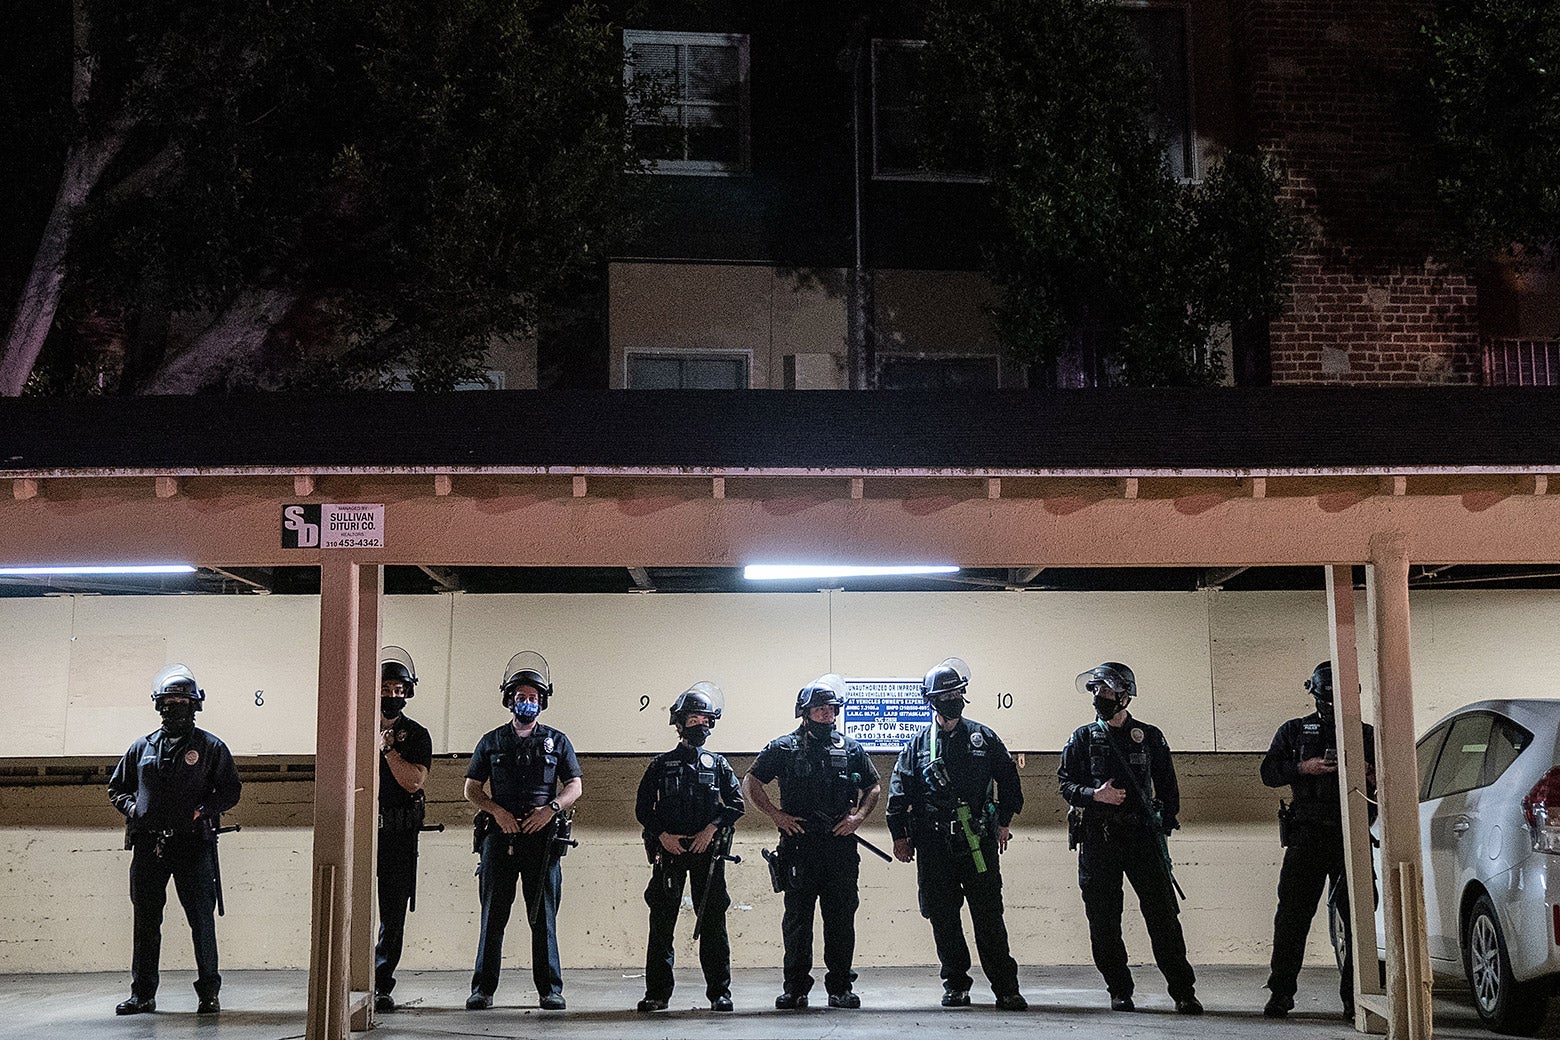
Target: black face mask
178	720
696	735
951	707
818	730
391	707
1107	707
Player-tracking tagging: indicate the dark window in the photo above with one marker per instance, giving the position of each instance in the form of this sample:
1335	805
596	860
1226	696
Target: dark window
1461	765
687	372
697	87
909	372
1507	739
1161	33
1427	750
900	148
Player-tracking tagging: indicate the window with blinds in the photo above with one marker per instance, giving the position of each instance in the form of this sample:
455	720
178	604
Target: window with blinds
692	92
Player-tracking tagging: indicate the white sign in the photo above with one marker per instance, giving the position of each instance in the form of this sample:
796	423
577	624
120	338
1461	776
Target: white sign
333	526
884	713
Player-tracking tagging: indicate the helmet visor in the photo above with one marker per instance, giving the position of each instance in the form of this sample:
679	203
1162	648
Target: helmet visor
395	655
530	668
1097	680
702	698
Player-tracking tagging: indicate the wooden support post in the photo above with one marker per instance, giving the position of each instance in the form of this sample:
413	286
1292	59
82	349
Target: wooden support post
1256	487
23	488
1540	483
993	487
579	486
1395	485
334	779
442	484
858	487
1352	787
365	828
167	487
717	487
1397	787
303	485
1128	487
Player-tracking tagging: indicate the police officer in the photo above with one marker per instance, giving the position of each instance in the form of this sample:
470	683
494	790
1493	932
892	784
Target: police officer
173	786
689	801
1117	775
952	796
405	756
1304	755
532	777
828	788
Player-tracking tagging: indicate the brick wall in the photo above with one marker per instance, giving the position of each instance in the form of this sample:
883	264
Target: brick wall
1370	305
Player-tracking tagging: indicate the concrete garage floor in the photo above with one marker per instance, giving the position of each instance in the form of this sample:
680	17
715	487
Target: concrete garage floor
1064	1001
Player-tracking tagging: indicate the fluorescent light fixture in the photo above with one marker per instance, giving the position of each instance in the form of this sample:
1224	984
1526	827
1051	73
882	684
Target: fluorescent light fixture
148	568
798	571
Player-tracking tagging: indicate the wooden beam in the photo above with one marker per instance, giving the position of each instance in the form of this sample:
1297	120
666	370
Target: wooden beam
993	487
579	486
1397	786
1352	787
334	801
442	483
365	826
717	487
23	488
303	486
1128	486
1256	487
1395	485
858	487
167	487
1540	484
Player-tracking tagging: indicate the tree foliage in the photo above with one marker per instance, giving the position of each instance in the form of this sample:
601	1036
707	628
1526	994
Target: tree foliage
1100	248
1488	85
339	189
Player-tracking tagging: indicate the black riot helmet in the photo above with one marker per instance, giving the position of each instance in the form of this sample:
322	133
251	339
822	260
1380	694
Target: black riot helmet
702	698
177	680
1110	684
395	665
826	689
1319	685
950	677
527	668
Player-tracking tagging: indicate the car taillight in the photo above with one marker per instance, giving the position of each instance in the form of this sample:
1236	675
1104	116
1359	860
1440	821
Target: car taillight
1541	808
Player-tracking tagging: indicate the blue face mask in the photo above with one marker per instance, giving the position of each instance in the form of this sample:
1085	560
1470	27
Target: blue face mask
526	711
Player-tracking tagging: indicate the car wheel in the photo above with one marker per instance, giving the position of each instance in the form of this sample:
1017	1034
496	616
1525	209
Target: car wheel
1503	1003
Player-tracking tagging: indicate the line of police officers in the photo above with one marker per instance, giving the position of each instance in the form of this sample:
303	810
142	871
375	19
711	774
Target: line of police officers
952	797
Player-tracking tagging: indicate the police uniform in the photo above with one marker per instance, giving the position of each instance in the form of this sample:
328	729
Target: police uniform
1313	853
820	781
1117	840
160	785
521	773
939	778
682	792
400	819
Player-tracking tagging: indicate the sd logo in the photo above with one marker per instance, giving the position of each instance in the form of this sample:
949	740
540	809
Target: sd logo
301	527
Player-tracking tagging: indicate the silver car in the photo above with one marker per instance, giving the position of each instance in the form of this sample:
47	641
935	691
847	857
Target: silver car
1489	827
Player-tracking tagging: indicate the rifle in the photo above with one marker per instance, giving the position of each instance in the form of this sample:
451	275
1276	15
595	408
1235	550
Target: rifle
412	905
216	864
822	818
1150	812
720	851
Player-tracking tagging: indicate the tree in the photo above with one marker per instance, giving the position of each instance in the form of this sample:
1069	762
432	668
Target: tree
1101	249
335	189
1488	91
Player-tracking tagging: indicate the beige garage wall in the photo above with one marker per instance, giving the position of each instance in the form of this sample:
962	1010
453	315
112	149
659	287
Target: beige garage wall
1218	671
